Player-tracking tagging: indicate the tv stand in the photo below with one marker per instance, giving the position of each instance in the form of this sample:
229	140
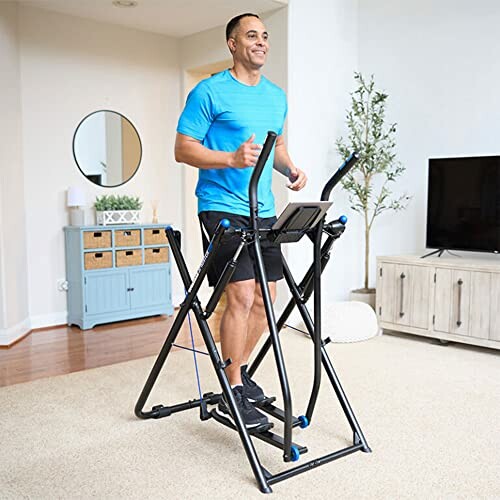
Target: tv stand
439	252
444	298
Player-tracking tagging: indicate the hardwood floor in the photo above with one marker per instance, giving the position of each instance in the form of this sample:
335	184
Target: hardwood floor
61	350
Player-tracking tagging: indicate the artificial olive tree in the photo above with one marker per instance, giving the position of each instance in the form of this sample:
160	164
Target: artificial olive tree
369	182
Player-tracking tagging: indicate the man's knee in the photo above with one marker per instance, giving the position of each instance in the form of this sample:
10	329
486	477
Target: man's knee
240	296
259	299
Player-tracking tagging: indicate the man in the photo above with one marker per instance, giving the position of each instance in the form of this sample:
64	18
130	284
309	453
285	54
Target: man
220	131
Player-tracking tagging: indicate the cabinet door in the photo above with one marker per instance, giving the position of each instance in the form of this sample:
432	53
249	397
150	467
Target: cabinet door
149	287
420	296
412	295
495	307
386	299
442	300
480	298
106	292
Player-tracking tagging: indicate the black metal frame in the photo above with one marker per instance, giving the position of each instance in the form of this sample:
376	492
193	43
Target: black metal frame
300	295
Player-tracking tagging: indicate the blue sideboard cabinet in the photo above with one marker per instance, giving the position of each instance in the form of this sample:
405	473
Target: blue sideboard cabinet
116	273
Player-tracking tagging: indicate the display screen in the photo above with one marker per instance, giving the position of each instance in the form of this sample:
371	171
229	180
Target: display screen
463	206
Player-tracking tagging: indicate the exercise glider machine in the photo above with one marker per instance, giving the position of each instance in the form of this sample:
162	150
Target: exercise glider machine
297	220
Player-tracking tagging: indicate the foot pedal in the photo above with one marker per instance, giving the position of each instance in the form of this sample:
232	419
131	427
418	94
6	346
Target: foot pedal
264	402
276	412
229	423
211	398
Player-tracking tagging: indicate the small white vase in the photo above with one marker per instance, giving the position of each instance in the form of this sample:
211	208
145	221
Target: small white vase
364	295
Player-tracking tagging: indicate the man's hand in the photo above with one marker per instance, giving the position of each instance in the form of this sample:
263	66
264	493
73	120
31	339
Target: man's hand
297	178
246	155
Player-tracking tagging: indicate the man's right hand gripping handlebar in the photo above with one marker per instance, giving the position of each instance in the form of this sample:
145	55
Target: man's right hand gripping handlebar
246	155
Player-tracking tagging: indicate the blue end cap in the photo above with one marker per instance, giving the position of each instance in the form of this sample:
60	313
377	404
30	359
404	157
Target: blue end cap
304	422
168	227
295	453
343	219
225	223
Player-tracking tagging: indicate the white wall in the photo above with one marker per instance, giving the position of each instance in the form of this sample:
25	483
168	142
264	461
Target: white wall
322	55
69	68
13	276
438	61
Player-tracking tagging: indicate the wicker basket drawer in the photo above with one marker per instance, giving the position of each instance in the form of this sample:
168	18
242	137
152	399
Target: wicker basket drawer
155	236
156	255
97	260
127	237
96	239
129	257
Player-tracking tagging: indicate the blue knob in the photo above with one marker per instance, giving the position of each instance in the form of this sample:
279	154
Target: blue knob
225	223
343	219
167	228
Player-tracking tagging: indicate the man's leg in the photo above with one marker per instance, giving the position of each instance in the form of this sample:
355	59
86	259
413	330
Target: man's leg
257	320
234	326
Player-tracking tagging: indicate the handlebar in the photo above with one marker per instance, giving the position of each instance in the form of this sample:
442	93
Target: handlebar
259	167
335	179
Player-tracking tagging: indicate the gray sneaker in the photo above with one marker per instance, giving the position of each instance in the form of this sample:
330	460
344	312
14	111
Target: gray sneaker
251	390
251	417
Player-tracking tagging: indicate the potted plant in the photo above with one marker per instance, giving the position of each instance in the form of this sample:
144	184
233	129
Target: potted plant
369	182
117	209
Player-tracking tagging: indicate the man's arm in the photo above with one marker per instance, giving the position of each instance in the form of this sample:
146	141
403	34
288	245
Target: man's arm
191	151
284	165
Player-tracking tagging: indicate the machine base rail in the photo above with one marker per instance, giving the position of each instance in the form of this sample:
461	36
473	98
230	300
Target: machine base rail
281	476
161	411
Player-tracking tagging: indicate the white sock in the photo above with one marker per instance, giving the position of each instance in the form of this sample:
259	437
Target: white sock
237	385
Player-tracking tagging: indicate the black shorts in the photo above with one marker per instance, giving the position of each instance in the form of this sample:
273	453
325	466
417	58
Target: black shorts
246	268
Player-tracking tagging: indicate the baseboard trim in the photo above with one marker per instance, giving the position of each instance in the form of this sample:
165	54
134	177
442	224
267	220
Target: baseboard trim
49	320
9	336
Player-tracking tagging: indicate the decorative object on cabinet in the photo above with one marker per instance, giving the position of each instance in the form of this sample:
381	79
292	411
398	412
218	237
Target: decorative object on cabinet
154	206
107	148
75	202
111	209
449	299
368	184
117	273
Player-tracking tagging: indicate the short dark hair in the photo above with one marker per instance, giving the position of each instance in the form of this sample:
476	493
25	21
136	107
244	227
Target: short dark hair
233	24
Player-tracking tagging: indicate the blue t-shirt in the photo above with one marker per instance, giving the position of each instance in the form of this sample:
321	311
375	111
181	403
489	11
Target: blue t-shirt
222	113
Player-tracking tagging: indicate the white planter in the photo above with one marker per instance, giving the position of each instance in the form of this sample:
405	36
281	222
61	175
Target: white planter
117	217
368	297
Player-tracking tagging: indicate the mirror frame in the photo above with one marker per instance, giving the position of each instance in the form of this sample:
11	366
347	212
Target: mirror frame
73	147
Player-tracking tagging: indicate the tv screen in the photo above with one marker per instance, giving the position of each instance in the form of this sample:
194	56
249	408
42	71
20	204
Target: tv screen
463	205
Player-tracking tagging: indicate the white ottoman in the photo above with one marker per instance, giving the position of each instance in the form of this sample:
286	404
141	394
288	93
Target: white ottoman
349	321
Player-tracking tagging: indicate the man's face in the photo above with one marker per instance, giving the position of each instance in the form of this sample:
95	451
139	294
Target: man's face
249	43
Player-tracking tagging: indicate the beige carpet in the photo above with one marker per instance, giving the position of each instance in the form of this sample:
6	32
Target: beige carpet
430	413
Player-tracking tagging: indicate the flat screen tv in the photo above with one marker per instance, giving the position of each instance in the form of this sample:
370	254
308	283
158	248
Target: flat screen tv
463	205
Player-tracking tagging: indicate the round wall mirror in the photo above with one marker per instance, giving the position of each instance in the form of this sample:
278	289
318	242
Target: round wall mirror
107	148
